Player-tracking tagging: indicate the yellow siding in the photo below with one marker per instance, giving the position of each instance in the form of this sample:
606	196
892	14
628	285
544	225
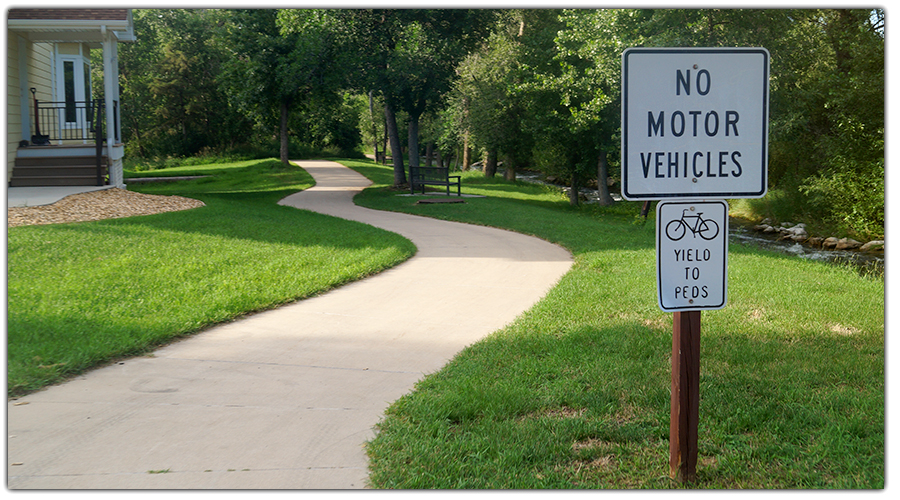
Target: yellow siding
40	70
40	76
13	111
70	49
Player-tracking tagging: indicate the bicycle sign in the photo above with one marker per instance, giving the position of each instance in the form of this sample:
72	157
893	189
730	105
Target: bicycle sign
706	228
691	254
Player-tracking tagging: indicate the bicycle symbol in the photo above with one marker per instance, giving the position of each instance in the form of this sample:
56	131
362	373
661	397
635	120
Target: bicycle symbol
708	229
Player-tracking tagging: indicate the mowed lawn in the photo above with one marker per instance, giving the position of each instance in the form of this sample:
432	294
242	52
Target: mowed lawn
84	294
575	392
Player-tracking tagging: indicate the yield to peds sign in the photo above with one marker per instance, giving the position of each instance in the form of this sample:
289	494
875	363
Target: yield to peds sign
692	254
694	123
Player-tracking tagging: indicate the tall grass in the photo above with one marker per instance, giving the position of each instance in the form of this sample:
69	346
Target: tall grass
575	393
86	293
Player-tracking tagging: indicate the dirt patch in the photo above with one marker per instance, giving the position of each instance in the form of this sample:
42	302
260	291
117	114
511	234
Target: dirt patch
98	205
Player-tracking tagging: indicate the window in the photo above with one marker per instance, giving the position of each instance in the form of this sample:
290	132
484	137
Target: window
69	89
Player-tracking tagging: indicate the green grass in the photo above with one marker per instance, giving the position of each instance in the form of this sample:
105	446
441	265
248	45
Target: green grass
575	392
83	294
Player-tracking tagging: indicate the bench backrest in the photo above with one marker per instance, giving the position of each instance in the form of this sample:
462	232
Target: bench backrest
430	173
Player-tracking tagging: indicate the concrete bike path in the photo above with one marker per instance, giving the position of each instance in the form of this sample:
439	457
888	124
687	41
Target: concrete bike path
284	399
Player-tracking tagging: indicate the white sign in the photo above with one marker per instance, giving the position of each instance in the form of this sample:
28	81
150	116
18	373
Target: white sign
691	254
694	123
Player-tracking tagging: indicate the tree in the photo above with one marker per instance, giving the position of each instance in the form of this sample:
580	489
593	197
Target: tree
136	61
423	63
281	60
485	101
172	101
826	120
369	36
409	57
574	100
849	185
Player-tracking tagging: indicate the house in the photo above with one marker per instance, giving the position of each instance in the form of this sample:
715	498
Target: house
53	116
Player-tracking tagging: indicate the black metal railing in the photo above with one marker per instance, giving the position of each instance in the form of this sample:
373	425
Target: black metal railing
65	121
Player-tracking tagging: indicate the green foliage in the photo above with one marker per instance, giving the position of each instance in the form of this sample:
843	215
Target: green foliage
172	102
485	104
537	88
852	197
206	80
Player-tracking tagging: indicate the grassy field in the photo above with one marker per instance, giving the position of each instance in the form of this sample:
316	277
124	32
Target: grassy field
84	294
575	393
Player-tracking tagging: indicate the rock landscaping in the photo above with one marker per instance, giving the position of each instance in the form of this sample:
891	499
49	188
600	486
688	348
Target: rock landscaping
798	233
97	205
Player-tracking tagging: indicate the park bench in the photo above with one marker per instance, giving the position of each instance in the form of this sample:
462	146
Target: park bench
419	177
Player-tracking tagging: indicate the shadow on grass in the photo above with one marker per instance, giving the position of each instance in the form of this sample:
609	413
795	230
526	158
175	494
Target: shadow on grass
588	406
521	207
81	293
242	216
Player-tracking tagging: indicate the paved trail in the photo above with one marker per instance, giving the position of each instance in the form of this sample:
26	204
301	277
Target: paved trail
284	399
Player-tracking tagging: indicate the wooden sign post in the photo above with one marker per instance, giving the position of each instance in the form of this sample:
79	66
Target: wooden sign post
685	413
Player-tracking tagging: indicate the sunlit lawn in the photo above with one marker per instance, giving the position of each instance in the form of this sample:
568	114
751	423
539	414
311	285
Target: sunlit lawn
575	393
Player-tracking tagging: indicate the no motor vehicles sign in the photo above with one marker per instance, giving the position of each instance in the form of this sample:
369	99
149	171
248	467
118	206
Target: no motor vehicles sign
694	123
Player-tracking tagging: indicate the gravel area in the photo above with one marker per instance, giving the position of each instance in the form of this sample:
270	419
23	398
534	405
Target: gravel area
96	205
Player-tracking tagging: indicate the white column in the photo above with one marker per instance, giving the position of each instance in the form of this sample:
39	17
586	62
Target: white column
24	92
111	94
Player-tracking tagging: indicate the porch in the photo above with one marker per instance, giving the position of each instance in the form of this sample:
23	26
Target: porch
61	134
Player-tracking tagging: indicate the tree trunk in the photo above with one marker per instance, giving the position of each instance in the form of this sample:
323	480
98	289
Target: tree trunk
467	152
510	173
396	149
283	133
573	190
838	31
374	128
490	163
429	153
603	195
384	142
413	140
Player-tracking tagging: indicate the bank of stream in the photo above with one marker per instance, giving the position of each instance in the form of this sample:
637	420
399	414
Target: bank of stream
865	263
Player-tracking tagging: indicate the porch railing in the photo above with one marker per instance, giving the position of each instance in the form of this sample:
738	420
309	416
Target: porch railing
73	121
61	121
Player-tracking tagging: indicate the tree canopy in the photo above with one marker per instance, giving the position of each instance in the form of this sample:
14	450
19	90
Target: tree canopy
533	88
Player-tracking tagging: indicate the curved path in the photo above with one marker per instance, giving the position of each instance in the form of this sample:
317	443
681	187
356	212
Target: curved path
284	399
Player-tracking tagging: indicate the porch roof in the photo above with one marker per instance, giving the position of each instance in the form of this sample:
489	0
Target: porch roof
71	25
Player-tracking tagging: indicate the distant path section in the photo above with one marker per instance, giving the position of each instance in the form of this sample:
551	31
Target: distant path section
284	399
